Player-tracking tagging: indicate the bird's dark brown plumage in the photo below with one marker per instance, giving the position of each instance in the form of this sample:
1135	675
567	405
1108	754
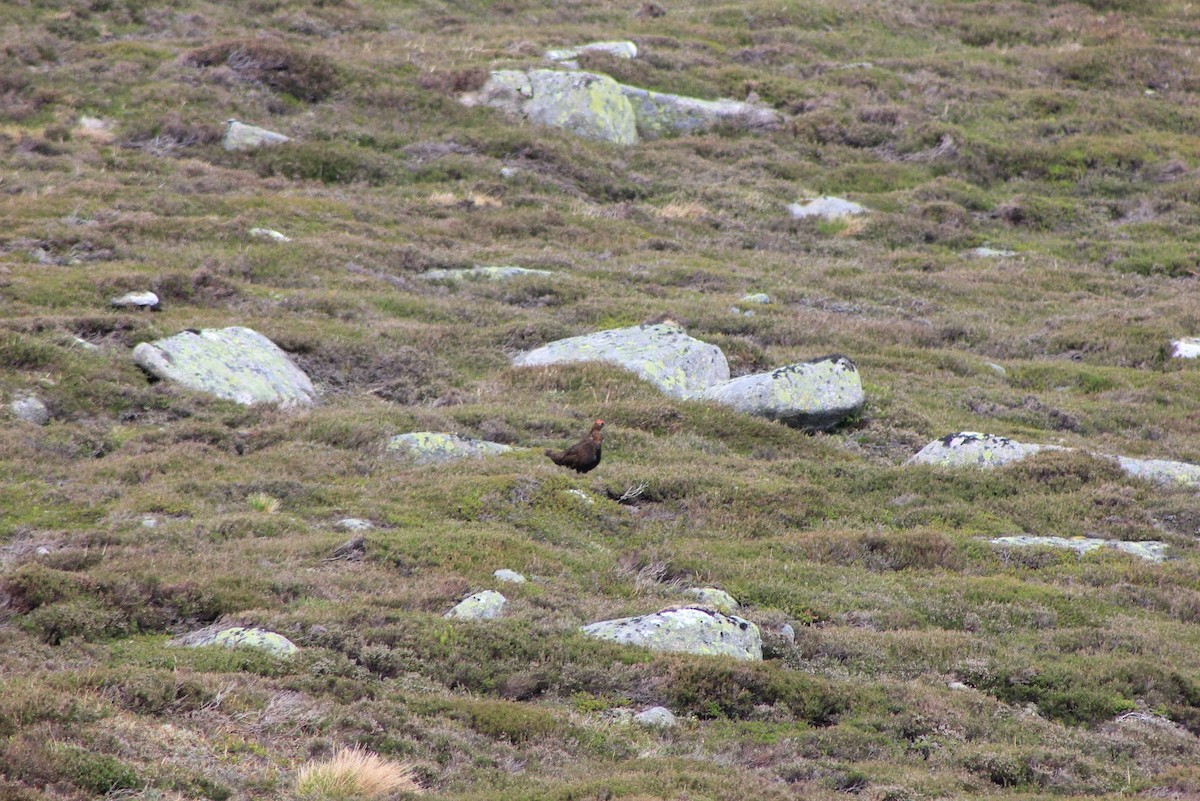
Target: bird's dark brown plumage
583	455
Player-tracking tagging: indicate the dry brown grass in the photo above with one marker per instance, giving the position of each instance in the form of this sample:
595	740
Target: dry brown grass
355	773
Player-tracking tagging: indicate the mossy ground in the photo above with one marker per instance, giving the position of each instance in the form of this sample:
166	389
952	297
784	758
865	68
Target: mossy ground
925	665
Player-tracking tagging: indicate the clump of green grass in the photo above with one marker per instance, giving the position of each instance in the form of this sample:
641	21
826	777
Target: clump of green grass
263	503
354	773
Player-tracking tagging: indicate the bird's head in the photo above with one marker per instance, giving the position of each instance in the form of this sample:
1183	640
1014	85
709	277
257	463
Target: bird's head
599	424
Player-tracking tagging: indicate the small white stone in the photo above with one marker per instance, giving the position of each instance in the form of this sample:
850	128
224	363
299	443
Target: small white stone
511	576
787	632
756	297
354	524
150	522
958	685
267	233
507	172
1186	348
136	300
42	551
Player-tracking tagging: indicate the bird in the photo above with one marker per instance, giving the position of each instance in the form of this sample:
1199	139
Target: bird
583	455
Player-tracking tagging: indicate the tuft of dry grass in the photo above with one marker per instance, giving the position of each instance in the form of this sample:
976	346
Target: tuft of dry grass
262	502
354	773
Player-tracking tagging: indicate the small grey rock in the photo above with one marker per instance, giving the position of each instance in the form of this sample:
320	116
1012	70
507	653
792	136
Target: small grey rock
239	136
511	576
615	49
436	447
267	233
484	605
149	522
756	297
136	300
30	409
828	208
42	550
353	524
787	632
991	253
656	717
1186	348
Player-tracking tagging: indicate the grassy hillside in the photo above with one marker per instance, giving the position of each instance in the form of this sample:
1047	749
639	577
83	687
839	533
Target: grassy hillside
926	663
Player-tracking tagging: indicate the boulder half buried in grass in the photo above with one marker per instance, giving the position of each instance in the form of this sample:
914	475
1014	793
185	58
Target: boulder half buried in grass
484	605
235	363
240	136
816	394
662	354
826	208
436	447
1150	550
239	637
688	629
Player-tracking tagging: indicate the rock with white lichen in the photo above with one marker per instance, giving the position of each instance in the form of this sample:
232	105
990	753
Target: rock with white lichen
435	447
240	136
688	629
238	637
484	605
816	394
826	208
1150	550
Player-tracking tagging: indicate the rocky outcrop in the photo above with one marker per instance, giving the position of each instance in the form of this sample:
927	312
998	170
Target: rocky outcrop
484	605
662	354
235	363
1150	550
435	447
597	107
817	394
688	629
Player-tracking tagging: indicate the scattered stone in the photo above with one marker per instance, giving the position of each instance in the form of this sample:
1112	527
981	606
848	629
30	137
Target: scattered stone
484	605
828	208
1150	550
958	685
687	629
615	49
756	297
656	717
238	637
30	409
96	129
239	136
816	394
352	550
83	343
435	447
991	253
580	494
662	354
597	107
507	172
353	524
498	273
715	598
787	632
267	233
235	363
149	522
996	368
136	300
511	576
42	550
969	448
1186	348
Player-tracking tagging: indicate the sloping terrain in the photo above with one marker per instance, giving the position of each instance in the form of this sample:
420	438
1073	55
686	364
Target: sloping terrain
926	663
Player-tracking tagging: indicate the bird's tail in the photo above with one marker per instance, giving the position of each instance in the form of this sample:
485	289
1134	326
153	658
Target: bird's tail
554	455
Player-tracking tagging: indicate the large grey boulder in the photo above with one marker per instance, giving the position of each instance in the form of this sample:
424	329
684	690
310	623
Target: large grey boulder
688	629
30	409
816	394
969	448
662	354
240	136
484	605
435	447
235	363
238	637
596	106
827	208
1150	550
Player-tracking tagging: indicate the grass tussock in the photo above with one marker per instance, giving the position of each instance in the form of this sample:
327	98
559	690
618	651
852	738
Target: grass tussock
354	773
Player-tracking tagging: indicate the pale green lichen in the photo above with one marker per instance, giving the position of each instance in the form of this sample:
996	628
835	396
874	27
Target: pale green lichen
1150	550
239	637
484	605
714	598
234	363
435	447
817	394
584	103
689	630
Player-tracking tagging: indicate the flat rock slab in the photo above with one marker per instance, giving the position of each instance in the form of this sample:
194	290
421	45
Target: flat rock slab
662	354
991	253
827	208
817	394
1186	348
268	233
136	300
235	363
510	576
756	297
1150	550
496	273
688	629
30	409
595	106
238	637
656	717
624	49
969	448
485	605
435	447
239	136
714	598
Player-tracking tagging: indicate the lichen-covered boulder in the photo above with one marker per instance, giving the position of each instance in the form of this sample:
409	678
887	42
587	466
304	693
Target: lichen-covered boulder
817	394
659	114
235	363
688	629
662	354
510	576
756	297
827	208
239	136
269	233
484	605
1186	348
1161	471
625	49
238	637
1150	550
136	300
30	409
584	103
435	447
991	253
656	717
491	273
971	448
714	598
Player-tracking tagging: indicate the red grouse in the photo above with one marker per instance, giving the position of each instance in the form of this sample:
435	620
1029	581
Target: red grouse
583	455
